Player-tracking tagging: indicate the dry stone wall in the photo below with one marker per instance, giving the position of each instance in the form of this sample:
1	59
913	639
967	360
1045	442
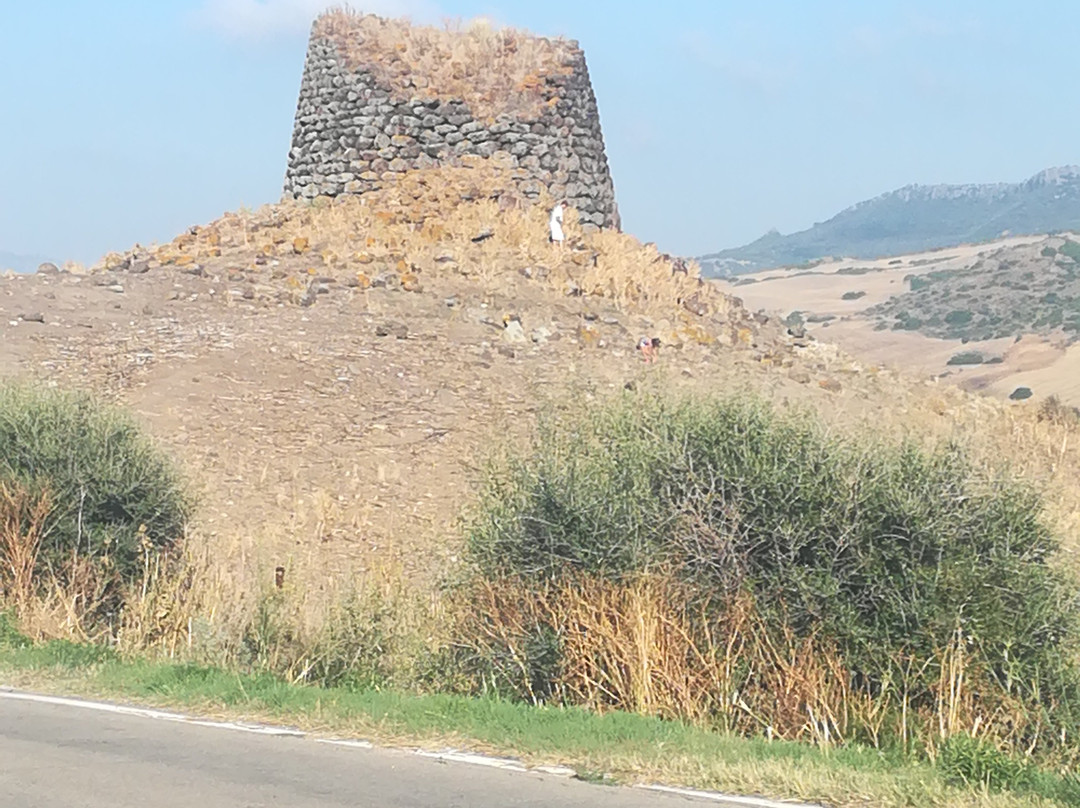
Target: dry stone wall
354	133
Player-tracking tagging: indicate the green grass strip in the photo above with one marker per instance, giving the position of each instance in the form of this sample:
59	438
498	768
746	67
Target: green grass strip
630	748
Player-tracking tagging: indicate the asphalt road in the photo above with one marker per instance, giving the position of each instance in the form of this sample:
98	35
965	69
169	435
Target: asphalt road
72	757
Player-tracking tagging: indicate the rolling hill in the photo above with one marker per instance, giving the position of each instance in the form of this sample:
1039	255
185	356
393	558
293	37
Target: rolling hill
916	218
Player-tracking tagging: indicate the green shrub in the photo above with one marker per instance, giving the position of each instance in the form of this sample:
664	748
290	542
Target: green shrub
115	495
1021	394
885	552
10	637
853	295
1071	249
958	317
966	358
968	761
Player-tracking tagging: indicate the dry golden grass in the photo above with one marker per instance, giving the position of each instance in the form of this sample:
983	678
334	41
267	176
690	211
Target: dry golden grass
22	525
647	645
493	70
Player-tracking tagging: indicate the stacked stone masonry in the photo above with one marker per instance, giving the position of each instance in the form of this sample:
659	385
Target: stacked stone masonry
353	135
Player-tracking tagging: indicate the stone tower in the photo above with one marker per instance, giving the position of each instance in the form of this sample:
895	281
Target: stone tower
381	97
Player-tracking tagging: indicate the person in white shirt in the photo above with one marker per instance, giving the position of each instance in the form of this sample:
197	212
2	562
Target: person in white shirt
556	222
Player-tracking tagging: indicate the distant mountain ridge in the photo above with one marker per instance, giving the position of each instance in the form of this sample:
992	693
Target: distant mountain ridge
915	218
20	263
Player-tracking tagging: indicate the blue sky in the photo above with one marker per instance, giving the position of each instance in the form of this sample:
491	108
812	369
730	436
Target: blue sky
129	121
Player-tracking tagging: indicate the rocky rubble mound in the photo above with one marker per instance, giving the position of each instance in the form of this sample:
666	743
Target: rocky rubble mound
464	221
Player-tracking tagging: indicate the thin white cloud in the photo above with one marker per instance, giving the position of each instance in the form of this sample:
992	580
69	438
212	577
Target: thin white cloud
265	19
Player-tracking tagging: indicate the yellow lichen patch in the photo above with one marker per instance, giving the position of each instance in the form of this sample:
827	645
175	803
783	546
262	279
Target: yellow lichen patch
588	335
329	257
691	332
213	238
300	245
363	281
434	231
363	257
184	260
410	282
745	335
112	260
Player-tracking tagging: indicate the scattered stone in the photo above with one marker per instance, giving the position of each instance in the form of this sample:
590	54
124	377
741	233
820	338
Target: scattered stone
34	317
572	289
386	280
115	287
696	305
799	375
483	235
830	384
609	320
540	335
392	329
48	268
540	273
451	302
139	267
513	332
507	351
1020	394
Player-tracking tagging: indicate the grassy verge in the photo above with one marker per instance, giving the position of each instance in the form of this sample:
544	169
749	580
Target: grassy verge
628	747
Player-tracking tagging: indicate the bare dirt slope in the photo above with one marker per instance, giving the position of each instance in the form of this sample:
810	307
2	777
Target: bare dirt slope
333	378
318	405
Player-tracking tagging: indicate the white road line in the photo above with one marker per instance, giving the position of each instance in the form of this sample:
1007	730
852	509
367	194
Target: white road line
448	755
454	756
341	742
158	715
749	802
